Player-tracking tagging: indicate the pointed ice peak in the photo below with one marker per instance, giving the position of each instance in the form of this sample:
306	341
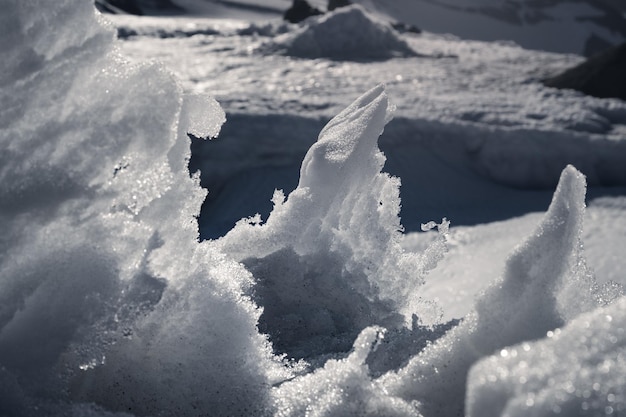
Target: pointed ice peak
348	138
548	262
351	112
568	201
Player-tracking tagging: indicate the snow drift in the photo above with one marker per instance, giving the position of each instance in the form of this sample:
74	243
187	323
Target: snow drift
577	370
111	306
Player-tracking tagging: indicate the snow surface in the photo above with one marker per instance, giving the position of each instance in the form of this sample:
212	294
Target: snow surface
110	304
467	111
562	26
557	26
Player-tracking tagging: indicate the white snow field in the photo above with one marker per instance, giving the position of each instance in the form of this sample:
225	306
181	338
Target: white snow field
120	297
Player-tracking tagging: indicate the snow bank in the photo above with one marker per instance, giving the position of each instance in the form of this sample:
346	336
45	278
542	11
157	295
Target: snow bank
105	294
348	33
558	26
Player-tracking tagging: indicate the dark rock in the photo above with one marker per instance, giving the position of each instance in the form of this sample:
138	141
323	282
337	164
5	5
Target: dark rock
602	75
335	4
299	11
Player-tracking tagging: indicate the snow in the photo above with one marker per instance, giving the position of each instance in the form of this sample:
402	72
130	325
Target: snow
577	370
347	34
335	240
521	306
557	26
112	306
100	246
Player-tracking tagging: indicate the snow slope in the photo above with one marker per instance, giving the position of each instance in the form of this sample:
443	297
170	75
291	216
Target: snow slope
111	306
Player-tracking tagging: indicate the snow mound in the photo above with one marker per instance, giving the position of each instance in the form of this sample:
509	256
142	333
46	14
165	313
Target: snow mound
348	33
99	248
328	260
545	283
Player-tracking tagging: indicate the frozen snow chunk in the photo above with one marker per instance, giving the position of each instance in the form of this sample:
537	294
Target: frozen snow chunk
328	261
348	33
197	349
578	370
545	283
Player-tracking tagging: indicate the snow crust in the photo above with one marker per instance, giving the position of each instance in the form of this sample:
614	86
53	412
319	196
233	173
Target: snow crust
110	305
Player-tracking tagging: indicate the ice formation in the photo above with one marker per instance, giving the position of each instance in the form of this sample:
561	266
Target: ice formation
348	33
105	294
545	283
109	305
328	260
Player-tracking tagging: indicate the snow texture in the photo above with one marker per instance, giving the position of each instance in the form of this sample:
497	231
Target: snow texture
545	282
106	295
335	241
578	370
110	305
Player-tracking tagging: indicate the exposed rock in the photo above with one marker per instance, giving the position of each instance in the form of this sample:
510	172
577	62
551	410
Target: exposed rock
299	11
595	45
603	75
405	27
